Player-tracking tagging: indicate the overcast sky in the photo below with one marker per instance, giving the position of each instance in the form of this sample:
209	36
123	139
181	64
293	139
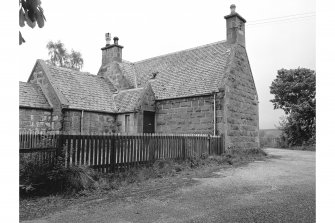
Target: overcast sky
152	28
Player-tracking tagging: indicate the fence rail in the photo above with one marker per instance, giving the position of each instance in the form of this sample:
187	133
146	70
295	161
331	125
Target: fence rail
108	153
35	140
275	142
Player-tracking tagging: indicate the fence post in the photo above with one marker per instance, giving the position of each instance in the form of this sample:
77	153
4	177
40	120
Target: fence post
223	143
60	153
209	144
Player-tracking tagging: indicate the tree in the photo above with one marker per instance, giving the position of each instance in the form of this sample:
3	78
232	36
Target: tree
76	61
30	12
294	92
57	53
60	57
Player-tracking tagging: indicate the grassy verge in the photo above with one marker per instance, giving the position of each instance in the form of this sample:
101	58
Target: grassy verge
304	148
79	184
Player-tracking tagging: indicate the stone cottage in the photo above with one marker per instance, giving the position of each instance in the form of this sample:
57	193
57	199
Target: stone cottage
207	89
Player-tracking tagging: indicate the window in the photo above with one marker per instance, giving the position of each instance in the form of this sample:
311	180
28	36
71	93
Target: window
126	123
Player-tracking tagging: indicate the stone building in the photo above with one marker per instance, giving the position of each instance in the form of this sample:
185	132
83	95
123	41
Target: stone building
207	89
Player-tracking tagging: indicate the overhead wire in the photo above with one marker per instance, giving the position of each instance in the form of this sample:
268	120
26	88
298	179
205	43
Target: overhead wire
281	19
260	20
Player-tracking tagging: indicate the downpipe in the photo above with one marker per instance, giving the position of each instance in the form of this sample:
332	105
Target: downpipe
82	122
214	112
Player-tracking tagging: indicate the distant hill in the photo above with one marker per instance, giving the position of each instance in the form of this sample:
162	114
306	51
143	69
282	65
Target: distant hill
273	133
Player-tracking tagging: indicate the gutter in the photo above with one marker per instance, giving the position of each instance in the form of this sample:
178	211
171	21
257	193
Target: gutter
36	108
181	97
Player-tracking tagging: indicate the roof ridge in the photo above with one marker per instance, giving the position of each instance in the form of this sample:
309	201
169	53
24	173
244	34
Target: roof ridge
70	70
132	89
180	51
30	83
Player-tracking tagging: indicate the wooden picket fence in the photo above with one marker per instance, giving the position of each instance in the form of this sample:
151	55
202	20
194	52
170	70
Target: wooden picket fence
41	147
38	140
109	153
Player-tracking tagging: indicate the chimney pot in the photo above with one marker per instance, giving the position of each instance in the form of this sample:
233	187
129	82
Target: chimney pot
108	38
232	8
116	39
111	52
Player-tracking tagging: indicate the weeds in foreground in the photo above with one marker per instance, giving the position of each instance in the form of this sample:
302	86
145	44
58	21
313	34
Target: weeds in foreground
51	178
55	179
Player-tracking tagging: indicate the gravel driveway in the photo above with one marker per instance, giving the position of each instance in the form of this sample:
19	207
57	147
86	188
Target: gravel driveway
279	189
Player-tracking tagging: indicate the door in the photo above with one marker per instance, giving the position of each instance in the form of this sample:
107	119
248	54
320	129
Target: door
148	122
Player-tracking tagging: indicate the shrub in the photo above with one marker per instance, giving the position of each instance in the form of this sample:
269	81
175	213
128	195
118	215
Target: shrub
72	179
42	179
32	173
195	160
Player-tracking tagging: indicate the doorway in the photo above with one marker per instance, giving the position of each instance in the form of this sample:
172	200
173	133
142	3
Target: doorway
148	122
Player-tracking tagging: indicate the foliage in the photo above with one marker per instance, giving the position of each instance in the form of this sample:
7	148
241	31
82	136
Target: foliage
57	53
41	178
294	92
45	179
75	60
30	12
59	56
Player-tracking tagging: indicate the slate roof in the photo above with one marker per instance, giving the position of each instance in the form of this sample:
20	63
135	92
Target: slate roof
31	95
128	70
82	90
186	73
128	100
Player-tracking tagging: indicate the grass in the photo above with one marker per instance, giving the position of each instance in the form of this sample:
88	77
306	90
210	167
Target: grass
82	183
303	147
169	167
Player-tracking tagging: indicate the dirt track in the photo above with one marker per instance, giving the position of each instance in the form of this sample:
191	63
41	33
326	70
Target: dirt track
279	189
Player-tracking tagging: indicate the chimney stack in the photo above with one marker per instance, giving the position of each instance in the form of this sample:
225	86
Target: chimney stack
112	52
235	25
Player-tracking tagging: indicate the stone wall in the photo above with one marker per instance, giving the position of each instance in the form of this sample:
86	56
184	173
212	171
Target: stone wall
133	126
148	102
38	76
92	122
36	120
241	103
190	115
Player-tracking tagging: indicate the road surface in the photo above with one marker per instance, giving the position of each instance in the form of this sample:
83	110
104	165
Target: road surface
279	189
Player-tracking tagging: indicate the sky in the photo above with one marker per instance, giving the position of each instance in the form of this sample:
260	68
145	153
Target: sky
151	28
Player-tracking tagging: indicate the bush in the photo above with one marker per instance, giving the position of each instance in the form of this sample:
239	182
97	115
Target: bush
195	160
32	173
72	179
43	179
